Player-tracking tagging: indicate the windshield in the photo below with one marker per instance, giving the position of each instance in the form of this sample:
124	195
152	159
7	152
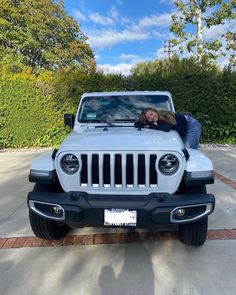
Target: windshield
119	108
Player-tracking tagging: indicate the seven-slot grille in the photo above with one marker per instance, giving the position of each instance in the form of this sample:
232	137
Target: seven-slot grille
116	170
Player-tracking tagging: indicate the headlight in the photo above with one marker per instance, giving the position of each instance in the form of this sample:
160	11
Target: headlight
168	164
70	163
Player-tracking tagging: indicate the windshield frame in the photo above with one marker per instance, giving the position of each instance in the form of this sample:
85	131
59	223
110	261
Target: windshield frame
129	103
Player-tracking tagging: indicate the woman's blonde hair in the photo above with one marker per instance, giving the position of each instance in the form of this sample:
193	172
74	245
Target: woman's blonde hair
164	116
167	116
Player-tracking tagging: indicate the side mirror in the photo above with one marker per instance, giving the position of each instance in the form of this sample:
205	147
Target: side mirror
69	120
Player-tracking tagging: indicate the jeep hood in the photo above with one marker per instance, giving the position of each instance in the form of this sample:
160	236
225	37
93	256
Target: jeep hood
121	139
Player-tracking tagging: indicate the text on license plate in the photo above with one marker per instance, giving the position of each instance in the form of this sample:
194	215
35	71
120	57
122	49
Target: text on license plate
120	217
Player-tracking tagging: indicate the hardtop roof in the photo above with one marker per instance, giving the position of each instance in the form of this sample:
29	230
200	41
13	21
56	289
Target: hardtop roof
114	93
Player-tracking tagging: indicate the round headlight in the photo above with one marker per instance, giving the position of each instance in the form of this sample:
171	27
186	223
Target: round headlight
70	163
168	164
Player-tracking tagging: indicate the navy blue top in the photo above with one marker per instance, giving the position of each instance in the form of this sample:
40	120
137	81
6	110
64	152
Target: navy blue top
181	124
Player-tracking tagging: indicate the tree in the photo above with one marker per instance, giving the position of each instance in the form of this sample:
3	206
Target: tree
201	15
43	33
174	66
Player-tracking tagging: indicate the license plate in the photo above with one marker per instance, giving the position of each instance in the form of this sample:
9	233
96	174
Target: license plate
120	217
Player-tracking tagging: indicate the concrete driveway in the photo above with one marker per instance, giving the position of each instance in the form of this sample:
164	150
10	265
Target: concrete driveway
95	261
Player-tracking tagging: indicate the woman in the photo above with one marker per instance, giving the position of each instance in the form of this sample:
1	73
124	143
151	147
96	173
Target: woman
188	127
150	118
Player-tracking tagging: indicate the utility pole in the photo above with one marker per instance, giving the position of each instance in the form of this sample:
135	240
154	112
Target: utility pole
168	48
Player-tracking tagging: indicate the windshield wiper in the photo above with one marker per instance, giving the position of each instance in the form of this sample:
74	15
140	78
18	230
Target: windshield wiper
125	120
108	123
91	121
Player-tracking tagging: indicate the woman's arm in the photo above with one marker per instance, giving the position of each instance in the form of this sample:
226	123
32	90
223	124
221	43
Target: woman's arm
163	126
138	124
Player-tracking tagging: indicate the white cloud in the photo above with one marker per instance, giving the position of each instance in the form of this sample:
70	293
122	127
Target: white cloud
159	35
132	58
160	53
79	15
119	18
97	56
121	68
162	20
131	32
114	12
224	60
100	19
149	27
104	38
167	2
215	32
128	56
95	17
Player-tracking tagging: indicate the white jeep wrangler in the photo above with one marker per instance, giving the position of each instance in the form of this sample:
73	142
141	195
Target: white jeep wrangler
109	174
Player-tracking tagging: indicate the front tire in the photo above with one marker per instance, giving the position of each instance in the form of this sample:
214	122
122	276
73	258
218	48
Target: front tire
194	233
42	227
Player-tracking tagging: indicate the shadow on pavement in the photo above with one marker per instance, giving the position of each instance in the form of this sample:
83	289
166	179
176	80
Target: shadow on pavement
135	277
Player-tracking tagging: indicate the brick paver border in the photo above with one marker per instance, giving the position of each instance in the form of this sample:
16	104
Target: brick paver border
225	180
107	238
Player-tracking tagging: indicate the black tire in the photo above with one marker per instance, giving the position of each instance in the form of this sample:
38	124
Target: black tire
194	233
44	228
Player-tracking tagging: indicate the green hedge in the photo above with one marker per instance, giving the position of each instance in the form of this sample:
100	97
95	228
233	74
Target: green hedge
30	115
32	107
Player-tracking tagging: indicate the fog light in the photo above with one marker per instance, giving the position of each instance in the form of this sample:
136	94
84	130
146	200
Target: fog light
57	210
180	212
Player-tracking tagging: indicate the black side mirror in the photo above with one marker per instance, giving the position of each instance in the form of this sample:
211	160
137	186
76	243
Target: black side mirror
69	120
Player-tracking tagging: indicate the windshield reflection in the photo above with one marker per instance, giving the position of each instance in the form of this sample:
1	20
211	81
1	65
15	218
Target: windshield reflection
119	108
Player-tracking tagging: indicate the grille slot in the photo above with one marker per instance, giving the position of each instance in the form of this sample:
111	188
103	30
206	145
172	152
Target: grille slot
84	170
129	170
141	169
95	170
116	170
152	170
106	170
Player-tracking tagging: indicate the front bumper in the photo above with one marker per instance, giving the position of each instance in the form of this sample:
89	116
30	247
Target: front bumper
80	209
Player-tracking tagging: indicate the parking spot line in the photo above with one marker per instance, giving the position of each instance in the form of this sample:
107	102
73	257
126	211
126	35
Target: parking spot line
225	180
107	238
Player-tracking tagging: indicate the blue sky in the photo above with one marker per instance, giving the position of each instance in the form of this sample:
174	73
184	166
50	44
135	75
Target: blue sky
124	32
